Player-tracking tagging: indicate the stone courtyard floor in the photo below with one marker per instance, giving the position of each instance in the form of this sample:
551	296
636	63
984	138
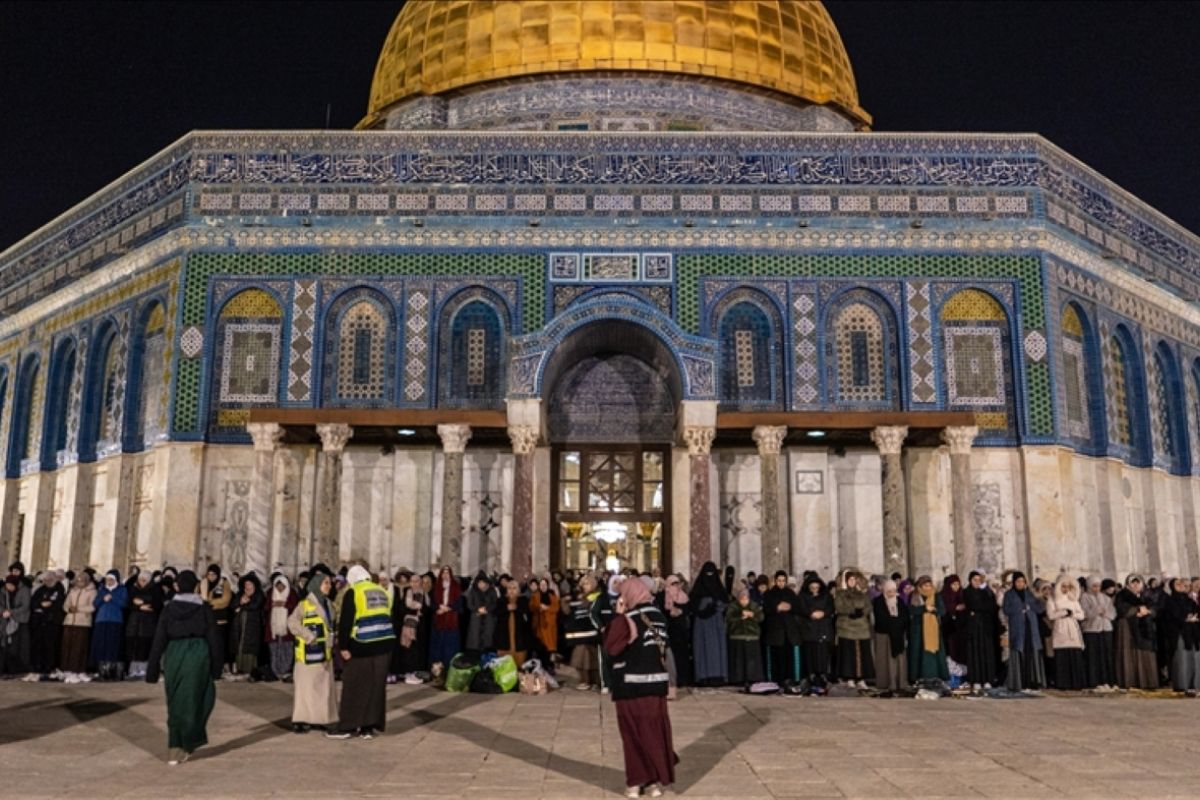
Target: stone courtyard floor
109	740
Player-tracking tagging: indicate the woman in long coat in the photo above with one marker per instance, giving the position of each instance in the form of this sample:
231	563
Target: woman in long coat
77	626
816	629
315	700
514	625
853	608
480	602
145	604
1098	615
710	653
926	641
1026	671
1065	615
1181	618
980	624
954	621
1136	637
187	650
677	607
544	605
111	600
890	634
412	648
246	637
447	603
781	631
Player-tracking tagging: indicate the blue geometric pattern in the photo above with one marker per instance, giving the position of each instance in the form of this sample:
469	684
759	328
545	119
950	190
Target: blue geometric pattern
473	373
747	342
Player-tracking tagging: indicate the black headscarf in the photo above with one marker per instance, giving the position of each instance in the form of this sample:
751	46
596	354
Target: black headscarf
187	582
1021	593
214	568
730	576
708	585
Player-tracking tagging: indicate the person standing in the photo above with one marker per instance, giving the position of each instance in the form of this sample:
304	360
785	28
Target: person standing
481	602
544	605
447	603
853	608
217	591
80	607
1026	670
926	642
954	621
816	630
744	623
890	631
781	631
145	604
636	640
45	624
1098	616
365	638
710	655
581	635
186	649
111	601
314	702
1065	614
980	641
677	607
1181	619
1136	637
514	625
412	653
14	623
280	642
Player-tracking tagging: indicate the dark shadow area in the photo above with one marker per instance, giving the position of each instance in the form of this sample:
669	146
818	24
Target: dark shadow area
33	720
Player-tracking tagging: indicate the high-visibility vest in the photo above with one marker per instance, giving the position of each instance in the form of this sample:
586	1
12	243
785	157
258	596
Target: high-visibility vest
319	649
372	613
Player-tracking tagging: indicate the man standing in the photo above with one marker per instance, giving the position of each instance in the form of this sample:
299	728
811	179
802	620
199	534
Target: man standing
365	637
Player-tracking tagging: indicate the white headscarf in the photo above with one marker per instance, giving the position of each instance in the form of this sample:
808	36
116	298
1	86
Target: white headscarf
356	574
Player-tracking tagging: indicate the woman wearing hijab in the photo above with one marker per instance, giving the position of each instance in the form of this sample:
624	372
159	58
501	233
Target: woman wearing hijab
247	631
954	623
980	632
743	621
45	625
412	651
816	629
145	604
853	608
447	603
890	637
636	640
1098	616
677	609
710	655
365	638
1026	671
926	640
1136	637
781	631
1065	615
311	625
581	634
111	601
186	649
544	606
217	591
1181	621
481	602
514	625
281	644
80	607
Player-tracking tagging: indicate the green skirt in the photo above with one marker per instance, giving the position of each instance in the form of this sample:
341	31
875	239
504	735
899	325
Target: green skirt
191	694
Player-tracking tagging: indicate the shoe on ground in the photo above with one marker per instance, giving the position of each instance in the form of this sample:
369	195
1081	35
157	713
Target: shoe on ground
176	756
343	735
604	690
584	687
366	735
654	790
300	727
633	791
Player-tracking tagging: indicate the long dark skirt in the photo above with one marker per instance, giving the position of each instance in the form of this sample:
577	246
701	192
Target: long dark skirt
783	663
75	642
1185	669
1025	670
191	694
443	646
137	648
646	739
1098	659
745	661
710	655
364	693
854	660
815	657
414	658
1070	671
14	652
106	642
981	656
892	674
46	638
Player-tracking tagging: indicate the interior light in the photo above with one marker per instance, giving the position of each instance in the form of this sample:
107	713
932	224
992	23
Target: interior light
815	434
406	432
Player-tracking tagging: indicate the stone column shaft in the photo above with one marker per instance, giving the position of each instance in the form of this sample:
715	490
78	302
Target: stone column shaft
328	514
266	437
454	443
774	539
524	441
890	441
959	440
699	439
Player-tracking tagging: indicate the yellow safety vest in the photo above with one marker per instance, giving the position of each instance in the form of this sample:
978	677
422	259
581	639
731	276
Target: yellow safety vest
321	648
372	613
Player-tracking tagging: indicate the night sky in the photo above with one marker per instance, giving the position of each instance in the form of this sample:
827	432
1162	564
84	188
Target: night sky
89	91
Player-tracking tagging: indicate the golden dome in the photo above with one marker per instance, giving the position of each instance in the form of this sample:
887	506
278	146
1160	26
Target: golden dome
790	46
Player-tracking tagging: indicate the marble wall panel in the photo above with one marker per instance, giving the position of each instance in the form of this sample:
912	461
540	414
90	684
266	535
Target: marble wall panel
858	489
930	504
412	504
739	508
681	549
997	513
225	509
812	517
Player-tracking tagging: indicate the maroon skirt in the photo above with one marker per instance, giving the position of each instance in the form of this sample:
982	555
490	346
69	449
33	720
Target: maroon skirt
646	737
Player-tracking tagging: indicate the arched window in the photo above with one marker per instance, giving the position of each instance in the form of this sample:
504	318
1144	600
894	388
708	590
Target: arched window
1168	426
976	341
1078	377
1193	401
748	355
148	418
861	352
246	366
1125	396
103	391
58	397
20	442
360	350
472	369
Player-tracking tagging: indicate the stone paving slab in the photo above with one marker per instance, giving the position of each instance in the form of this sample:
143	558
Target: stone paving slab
109	740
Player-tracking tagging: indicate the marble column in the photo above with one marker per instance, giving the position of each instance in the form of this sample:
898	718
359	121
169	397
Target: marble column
259	524
774	539
890	441
454	442
959	440
524	441
699	439
10	493
328	517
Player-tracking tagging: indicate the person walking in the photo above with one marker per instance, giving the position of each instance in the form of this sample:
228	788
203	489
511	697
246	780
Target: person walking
365	638
314	702
187	651
636	640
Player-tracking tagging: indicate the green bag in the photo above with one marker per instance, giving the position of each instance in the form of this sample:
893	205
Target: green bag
504	671
460	673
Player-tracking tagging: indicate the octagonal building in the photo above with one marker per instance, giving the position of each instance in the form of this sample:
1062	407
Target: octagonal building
605	284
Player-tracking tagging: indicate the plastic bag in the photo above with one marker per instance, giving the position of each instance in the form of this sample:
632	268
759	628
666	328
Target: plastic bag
504	670
461	673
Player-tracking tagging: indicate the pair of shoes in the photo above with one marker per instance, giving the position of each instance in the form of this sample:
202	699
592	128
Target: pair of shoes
861	685
300	727
633	791
177	756
654	790
343	735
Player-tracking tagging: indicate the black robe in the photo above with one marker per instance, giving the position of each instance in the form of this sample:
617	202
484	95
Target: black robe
981	641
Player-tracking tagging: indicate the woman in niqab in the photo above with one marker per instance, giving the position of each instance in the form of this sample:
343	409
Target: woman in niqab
710	653
980	625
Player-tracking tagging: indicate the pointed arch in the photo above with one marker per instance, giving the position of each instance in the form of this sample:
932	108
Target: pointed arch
146	416
360	349
473	349
55	418
1081	381
977	354
861	359
246	360
20	437
1168	422
98	418
749	333
1125	395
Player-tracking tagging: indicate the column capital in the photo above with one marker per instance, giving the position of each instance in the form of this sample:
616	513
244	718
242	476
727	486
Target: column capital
334	436
524	438
266	435
889	439
454	437
769	438
959	438
699	439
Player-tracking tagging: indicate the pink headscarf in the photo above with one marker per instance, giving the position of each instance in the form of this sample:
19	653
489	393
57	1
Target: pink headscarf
634	593
674	595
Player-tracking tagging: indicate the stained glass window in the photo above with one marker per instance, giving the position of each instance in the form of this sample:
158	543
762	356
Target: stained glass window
746	337
474	372
1121	431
